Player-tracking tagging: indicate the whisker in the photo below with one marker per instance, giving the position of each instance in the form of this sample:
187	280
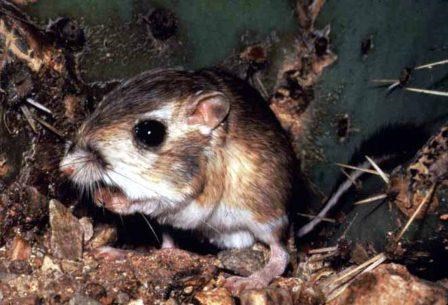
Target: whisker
210	226
110	194
79	162
150	226
207	224
136	182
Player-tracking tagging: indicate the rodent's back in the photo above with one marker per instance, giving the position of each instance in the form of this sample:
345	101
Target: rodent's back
260	161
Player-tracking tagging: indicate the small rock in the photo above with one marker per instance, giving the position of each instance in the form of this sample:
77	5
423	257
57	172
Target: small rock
218	296
5	168
36	207
309	295
20	267
19	250
72	267
122	298
87	228
136	302
267	296
300	293
49	266
95	291
243	262
5	278
392	284
103	235
188	289
66	233
79	299
29	300
170	301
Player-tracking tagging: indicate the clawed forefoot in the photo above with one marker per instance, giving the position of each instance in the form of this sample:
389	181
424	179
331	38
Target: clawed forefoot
237	284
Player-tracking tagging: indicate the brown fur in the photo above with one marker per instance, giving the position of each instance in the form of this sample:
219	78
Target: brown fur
220	164
247	163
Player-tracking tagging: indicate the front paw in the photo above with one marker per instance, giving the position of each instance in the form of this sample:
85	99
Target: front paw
111	200
110	254
237	284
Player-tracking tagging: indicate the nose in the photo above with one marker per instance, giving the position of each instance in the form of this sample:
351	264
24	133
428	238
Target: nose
64	166
67	170
96	155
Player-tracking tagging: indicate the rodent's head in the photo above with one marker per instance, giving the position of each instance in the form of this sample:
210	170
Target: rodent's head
150	138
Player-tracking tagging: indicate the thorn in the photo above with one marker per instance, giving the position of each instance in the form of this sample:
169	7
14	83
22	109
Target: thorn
431	65
412	218
431	92
38	106
315	216
371	199
365	170
384	81
393	86
382	174
29	117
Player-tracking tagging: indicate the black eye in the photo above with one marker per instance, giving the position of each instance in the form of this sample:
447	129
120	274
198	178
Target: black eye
150	133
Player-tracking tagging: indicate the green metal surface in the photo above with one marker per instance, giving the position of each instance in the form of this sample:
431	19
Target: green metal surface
209	31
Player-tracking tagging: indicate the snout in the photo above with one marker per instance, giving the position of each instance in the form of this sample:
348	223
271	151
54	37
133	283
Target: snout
67	166
82	166
66	169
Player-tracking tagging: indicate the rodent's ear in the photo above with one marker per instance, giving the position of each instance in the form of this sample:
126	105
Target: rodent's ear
210	109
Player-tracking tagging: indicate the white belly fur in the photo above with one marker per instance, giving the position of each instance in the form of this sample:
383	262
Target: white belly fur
224	226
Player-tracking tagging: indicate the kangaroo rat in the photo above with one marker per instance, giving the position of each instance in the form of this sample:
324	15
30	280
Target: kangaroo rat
196	150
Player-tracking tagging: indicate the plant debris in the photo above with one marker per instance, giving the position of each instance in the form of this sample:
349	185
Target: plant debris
56	249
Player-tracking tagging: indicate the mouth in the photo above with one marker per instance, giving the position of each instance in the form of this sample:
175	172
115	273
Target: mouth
114	200
111	198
